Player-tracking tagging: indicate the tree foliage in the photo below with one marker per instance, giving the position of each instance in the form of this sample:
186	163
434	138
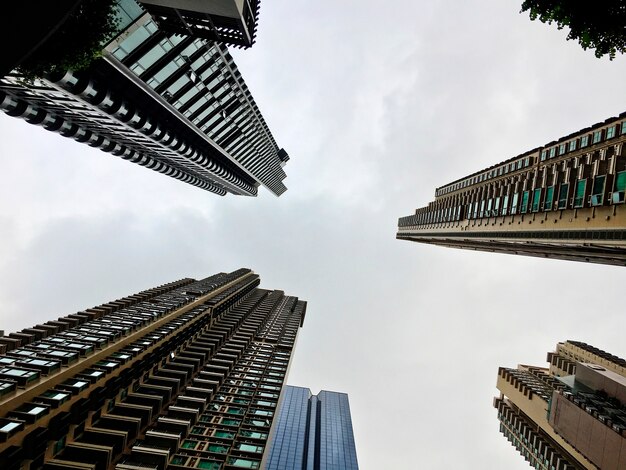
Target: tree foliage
77	41
597	25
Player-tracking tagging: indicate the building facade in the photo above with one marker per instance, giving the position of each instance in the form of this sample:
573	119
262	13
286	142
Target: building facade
230	22
175	103
312	432
185	375
564	200
570	416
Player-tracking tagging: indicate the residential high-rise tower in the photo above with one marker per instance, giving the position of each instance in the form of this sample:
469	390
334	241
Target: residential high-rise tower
312	432
175	103
185	375
563	200
570	416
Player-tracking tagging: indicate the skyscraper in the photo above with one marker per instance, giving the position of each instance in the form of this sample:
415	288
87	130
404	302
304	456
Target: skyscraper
563	200
228	21
185	375
312	432
569	416
174	103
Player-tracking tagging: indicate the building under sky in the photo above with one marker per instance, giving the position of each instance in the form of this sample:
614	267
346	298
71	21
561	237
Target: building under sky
570	416
312	432
228	21
172	102
562	200
185	375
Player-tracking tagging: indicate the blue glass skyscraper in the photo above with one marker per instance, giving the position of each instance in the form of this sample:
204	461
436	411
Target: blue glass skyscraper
312	432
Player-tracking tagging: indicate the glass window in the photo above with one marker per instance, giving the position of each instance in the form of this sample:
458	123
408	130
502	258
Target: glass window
243	463
505	204
514	203
597	137
610	132
536	199
250	448
597	193
218	449
572	145
524	206
208	465
231	422
579	196
552	152
623	128
132	41
544	154
549	197
189	444
562	149
563	192
584	141
620	181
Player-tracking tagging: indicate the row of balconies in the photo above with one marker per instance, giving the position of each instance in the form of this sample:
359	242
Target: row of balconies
30	412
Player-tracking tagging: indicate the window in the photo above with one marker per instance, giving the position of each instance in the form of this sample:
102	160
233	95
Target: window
547	206
505	204
58	446
253	435
597	194
572	145
514	203
552	152
243	463
623	128
620	181
536	199
208	464
584	141
562	149
524	206
250	448
563	192
218	449
579	196
544	154
610	132
597	137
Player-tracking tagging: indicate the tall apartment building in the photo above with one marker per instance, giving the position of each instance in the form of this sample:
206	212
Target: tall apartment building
564	200
228	21
175	103
570	416
312	432
185	375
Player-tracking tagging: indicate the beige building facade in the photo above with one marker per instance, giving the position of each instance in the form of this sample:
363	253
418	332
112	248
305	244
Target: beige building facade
563	200
569	416
183	376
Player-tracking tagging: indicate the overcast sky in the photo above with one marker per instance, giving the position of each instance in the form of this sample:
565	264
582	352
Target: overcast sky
377	103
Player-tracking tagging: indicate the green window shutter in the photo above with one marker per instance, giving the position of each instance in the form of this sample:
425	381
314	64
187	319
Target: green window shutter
580	193
620	181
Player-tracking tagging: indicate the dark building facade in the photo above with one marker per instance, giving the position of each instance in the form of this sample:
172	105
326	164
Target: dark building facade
230	22
174	103
564	200
570	416
312	432
185	375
